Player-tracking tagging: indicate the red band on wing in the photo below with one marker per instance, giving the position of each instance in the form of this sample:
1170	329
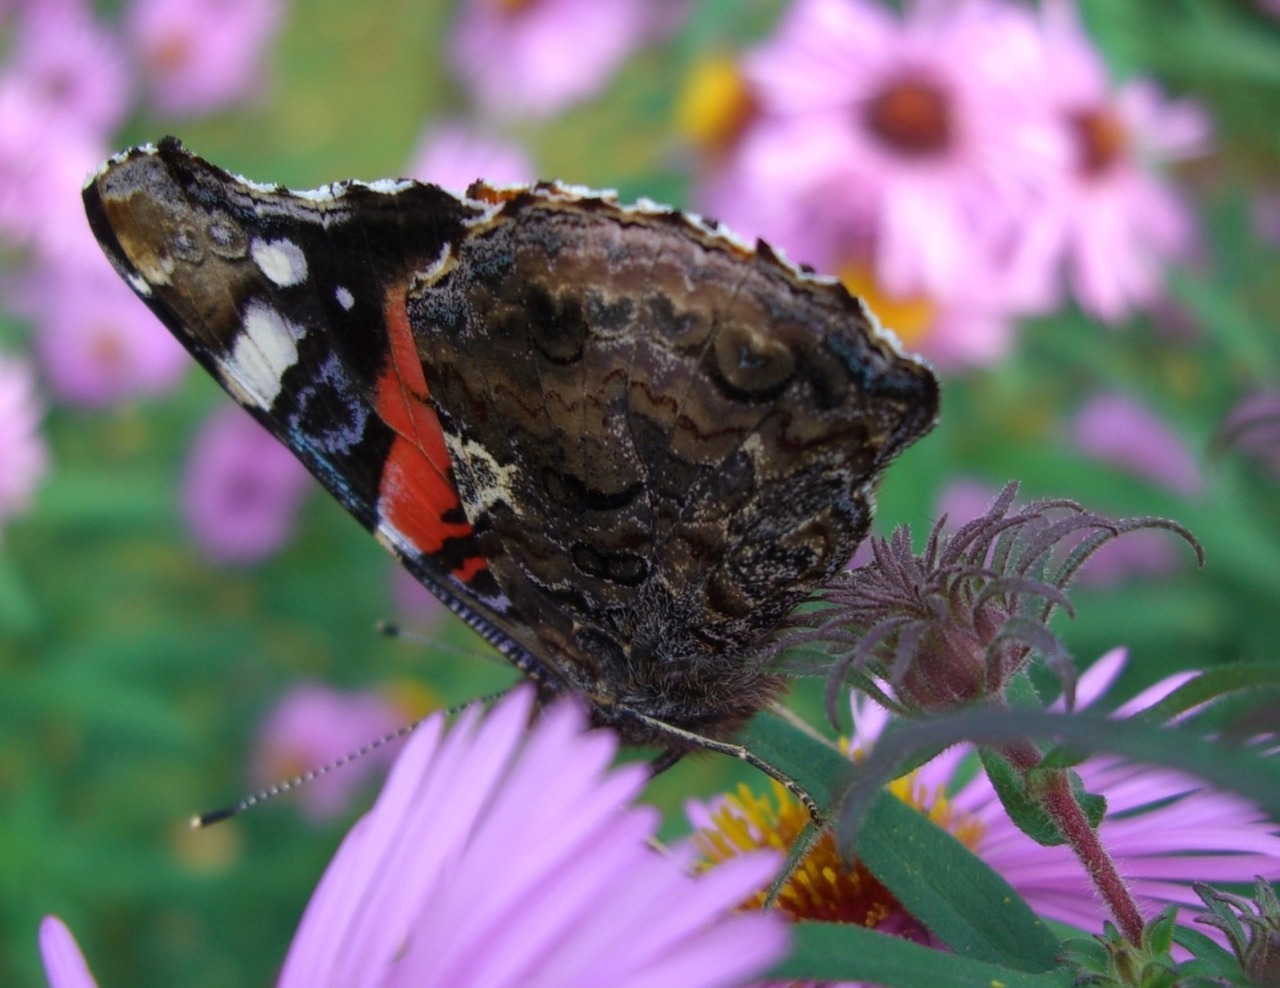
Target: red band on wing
416	494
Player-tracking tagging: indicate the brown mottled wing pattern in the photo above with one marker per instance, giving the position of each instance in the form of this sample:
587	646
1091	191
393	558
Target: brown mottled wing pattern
664	440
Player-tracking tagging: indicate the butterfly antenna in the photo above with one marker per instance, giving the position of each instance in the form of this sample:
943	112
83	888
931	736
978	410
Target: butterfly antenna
202	820
389	629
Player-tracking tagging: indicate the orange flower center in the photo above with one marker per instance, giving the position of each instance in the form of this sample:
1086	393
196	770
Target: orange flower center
173	52
1101	140
911	116
823	886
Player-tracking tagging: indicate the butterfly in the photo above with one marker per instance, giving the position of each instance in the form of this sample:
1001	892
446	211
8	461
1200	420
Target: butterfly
619	442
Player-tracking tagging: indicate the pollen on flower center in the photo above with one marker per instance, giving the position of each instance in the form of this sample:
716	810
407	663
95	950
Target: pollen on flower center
1101	140
822	887
513	6
911	116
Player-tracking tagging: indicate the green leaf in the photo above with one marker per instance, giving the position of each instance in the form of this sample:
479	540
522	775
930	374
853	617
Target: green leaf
835	952
1252	776
955	894
935	877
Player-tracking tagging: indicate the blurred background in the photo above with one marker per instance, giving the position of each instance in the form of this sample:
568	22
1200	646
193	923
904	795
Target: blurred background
1073	210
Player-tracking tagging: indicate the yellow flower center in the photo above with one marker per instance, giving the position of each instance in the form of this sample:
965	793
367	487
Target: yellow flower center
822	887
910	317
715	104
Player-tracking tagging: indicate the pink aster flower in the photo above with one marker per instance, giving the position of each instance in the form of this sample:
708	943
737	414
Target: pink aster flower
1110	218
41	172
1123	432
1163	829
72	67
454	155
242	489
202	55
502	855
22	448
539	56
98	343
920	131
1253	427
314	725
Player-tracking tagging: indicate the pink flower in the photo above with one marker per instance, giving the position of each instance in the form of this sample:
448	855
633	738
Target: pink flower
314	725
202	55
1109	219
413	600
1253	427
73	70
98	343
1163	829
1124	433
538	56
454	155
41	172
503	855
242	489
22	448
1140	554
921	133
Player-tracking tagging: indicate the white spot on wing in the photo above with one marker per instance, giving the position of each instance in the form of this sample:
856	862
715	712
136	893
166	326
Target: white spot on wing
344	297
282	261
138	284
387	186
263	351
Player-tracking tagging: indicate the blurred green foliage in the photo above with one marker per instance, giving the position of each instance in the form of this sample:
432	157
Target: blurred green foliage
135	673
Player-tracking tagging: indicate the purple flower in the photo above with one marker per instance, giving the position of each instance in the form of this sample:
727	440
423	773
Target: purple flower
896	125
64	965
41	172
454	155
314	725
242	489
202	55
539	56
73	70
1124	433
1253	427
22	448
1109	218
1165	830
412	599
500	855
98	343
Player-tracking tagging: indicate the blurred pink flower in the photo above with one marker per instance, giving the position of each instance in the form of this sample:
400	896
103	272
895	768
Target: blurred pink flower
454	155
22	448
314	725
242	489
1253	427
199	56
98	343
1265	216
919	132
1140	554
502	855
1123	432
1109	219
538	56
413	600
73	70
42	169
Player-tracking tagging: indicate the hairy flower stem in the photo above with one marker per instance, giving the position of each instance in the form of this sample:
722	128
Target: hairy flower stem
1060	803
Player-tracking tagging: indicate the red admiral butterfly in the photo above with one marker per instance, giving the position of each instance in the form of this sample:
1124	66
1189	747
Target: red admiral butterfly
618	442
